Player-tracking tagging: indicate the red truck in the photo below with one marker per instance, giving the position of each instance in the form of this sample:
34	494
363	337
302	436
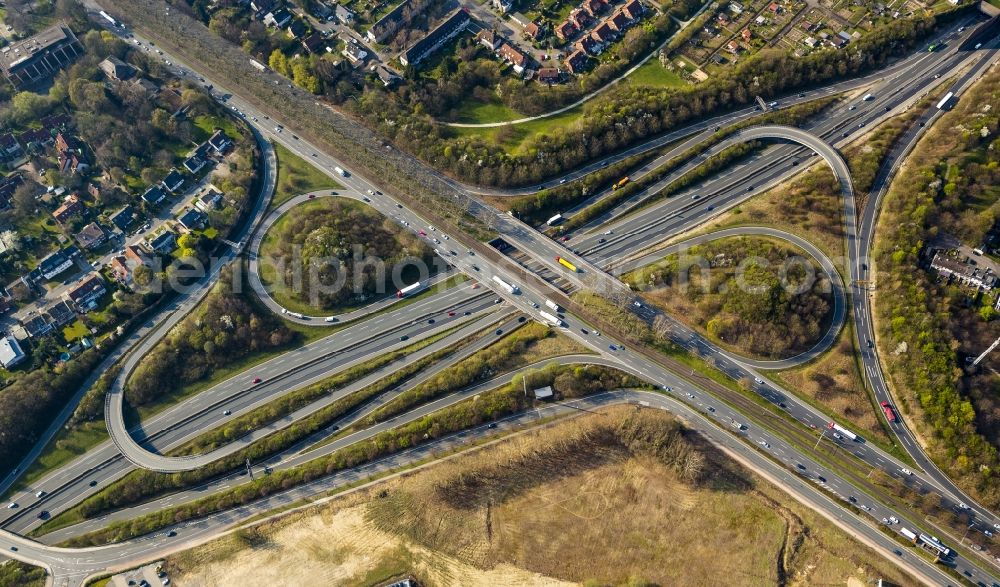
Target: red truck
889	414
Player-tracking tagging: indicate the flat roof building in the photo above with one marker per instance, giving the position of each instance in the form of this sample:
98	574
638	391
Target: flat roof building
39	57
10	352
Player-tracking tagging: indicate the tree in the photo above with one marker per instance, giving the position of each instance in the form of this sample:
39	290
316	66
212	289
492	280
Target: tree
278	62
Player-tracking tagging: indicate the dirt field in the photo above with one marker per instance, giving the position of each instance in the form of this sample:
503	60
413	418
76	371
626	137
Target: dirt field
636	499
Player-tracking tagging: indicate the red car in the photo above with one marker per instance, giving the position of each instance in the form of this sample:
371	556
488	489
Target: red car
256	380
451	313
311	196
422	233
475	286
565	238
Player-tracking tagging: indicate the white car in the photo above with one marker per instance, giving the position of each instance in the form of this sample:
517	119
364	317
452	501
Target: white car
758	380
906	471
39	494
893	520
12	505
329	318
996	526
962	506
608	232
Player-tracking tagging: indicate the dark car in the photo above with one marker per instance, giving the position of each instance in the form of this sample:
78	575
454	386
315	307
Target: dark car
821	478
430	321
43	515
871	345
492	425
171	534
521	319
499	331
601	240
93	483
852	499
404	337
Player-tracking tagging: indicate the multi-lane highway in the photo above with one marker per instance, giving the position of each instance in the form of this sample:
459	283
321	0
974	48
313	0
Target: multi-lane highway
471	258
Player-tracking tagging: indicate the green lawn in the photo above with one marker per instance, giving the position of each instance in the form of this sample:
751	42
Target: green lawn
296	176
66	446
75	331
652	74
514	137
478	112
205	125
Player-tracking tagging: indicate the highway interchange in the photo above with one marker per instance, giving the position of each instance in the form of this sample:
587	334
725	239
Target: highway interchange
144	447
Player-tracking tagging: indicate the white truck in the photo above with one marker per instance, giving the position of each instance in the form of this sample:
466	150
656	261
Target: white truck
555	307
554	220
909	534
838	428
340	171
553	320
868	97
509	287
411	289
258	65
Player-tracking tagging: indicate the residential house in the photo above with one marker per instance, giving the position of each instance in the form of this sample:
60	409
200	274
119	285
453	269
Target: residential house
532	31
603	35
634	10
120	269
210	198
775	8
192	219
91	236
154	195
314	43
70	207
587	45
60	313
579	18
145	85
296	28
11	353
220	142
55	263
385	75
736	8
277	18
354	53
173	181
810	41
594	7
618	22
321	11
164	243
502	6
733	47
489	39
520	19
964	273
549	75
262	7
746	35
9	147
8	185
116	70
845	36
123	218
71	153
449	28
514	56
836	42
134	256
194	164
386	27
344	15
37	326
85	295
564	30
577	61
39	57
723	18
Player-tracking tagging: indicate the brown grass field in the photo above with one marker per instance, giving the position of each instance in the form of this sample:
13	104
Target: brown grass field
611	498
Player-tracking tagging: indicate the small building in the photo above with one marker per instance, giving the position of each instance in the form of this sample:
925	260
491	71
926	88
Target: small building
154	195
54	264
634	10
164	243
91	236
619	22
532	31
71	153
579	18
220	142
209	198
746	35
354	52
296	28
577	62
173	181
314	43
733	47
594	7
489	39
134	256
37	326
116	70
9	147
514	56
85	295
502	6
385	75
192	219
395	19
543	393
277	18
587	45
194	164
549	75
602	35
11	353
774	8
60	313
70	207
120	269
564	30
